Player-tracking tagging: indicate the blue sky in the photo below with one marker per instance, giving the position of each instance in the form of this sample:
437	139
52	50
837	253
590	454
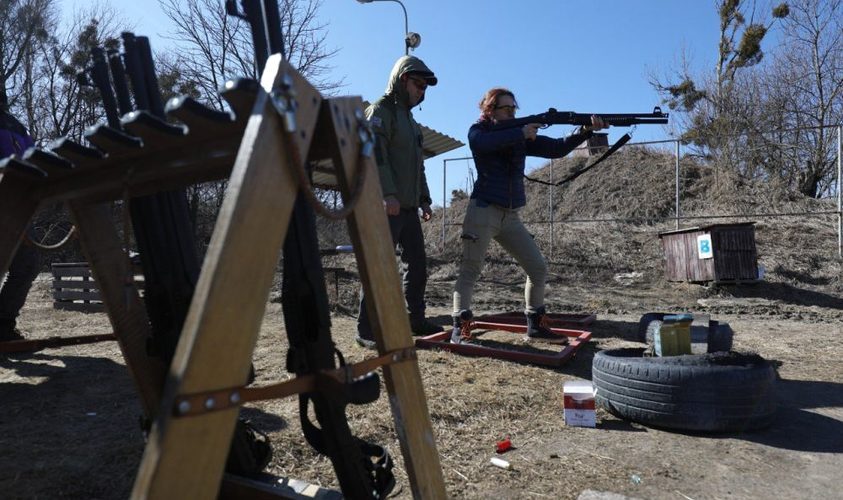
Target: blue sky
592	56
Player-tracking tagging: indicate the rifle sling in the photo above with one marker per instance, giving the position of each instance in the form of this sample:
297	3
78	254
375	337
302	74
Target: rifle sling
308	324
616	146
376	461
223	399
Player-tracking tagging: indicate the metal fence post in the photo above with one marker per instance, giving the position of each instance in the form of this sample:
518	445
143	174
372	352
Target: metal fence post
444	200
839	193
550	207
677	183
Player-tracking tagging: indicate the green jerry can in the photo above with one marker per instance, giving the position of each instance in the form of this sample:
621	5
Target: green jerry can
673	336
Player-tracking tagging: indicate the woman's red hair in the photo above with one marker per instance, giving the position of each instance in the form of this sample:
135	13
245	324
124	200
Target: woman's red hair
490	100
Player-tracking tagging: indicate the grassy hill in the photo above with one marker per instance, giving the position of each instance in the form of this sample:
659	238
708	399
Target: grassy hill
632	197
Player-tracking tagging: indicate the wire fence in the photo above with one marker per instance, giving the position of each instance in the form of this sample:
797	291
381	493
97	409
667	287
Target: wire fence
677	216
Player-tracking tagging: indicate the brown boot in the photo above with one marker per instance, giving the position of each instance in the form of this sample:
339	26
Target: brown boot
462	325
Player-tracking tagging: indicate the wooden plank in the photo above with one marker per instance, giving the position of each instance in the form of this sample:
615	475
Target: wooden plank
269	487
73	284
76	295
32	345
59	265
375	254
185	457
81	272
91	285
103	249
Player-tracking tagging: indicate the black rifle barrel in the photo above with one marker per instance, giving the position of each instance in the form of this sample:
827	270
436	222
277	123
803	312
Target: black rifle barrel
135	71
254	13
273	27
118	77
553	117
99	75
153	92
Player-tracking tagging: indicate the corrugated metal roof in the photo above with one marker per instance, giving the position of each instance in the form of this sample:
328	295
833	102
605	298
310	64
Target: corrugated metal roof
434	144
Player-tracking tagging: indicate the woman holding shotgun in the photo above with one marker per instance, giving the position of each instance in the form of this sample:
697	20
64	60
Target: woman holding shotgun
496	200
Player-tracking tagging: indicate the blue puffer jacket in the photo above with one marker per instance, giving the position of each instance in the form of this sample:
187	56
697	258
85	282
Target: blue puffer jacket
499	158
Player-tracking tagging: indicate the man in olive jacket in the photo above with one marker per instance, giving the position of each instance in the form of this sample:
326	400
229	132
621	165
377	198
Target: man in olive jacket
401	167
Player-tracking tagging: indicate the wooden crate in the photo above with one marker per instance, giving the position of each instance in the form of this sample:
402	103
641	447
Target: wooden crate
75	289
718	253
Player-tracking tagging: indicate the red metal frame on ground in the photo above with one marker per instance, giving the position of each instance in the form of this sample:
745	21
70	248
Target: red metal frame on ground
517	323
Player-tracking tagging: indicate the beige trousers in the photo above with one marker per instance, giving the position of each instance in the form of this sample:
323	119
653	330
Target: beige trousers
481	224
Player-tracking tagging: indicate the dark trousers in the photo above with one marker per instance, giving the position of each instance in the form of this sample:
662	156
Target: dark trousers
407	233
22	272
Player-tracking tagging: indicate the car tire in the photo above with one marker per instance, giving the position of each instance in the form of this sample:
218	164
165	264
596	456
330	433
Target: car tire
714	392
647	326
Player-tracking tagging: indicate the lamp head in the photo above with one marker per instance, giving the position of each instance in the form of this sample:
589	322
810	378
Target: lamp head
413	40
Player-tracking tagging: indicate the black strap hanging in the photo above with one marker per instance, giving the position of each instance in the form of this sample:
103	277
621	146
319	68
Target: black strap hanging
616	146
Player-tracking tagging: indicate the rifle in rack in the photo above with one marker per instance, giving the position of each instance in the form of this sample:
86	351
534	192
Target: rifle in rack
363	469
554	117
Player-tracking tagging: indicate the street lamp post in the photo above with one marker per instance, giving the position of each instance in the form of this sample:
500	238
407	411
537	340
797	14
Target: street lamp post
411	40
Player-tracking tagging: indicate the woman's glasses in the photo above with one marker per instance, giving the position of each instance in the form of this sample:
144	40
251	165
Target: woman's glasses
507	107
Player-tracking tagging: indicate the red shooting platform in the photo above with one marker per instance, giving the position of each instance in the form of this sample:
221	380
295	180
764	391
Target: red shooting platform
573	327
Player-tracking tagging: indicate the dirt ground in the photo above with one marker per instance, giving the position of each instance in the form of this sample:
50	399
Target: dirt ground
69	426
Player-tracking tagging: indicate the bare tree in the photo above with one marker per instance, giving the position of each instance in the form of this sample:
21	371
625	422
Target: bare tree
24	25
60	105
214	47
720	107
709	100
804	91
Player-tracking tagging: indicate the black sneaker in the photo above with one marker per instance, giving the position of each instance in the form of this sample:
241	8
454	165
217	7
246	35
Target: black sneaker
367	343
425	328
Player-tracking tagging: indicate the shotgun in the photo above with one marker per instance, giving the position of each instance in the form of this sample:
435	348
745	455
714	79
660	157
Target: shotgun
553	117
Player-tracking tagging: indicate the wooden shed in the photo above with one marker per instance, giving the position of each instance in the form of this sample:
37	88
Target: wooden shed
719	253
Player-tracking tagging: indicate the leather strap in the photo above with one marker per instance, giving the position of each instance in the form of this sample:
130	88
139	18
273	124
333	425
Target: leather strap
205	402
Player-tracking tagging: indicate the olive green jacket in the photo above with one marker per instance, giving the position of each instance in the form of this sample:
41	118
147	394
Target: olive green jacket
399	139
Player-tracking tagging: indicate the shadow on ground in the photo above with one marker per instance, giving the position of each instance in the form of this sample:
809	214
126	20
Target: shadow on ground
798	424
70	417
787	294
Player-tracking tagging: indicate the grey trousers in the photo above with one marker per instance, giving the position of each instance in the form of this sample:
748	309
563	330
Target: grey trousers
22	272
480	226
407	232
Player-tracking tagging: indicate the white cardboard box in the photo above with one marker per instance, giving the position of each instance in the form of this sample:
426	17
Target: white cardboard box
578	403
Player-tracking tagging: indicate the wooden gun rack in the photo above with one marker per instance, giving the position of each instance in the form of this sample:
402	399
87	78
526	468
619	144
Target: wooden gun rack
185	456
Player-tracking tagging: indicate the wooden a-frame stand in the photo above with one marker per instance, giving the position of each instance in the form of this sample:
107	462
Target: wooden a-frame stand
185	456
